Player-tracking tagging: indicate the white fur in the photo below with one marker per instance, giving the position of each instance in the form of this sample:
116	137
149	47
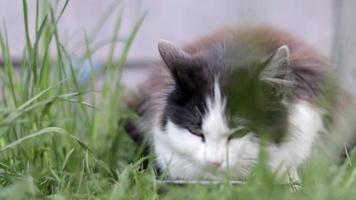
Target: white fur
305	122
185	156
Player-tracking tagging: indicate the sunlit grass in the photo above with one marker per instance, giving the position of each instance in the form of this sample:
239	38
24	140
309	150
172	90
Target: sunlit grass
62	138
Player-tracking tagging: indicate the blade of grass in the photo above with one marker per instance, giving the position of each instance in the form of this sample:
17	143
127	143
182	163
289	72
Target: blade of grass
28	39
5	49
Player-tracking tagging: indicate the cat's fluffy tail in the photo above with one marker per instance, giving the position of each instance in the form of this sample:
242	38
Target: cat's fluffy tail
133	100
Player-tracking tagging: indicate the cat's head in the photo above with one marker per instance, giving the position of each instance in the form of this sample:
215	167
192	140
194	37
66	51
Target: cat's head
219	107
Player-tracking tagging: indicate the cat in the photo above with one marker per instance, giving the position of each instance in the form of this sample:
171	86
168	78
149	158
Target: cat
209	107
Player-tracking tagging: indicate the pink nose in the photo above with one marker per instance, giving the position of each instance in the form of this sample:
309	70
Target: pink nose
216	163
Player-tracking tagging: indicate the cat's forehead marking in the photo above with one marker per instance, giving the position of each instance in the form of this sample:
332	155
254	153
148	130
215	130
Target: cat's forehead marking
214	121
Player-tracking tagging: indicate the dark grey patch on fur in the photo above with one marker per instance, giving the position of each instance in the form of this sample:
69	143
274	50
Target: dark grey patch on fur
194	77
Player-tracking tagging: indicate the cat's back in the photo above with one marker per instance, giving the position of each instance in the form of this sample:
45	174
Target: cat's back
243	45
260	40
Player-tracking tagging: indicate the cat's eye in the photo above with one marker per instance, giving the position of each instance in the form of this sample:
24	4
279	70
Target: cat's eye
196	131
238	133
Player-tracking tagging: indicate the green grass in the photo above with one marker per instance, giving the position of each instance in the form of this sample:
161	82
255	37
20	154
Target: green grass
62	140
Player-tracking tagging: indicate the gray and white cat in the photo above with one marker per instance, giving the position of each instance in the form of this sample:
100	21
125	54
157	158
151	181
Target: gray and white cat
209	105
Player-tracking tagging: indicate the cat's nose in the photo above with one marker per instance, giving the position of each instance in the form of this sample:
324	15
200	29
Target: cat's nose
216	164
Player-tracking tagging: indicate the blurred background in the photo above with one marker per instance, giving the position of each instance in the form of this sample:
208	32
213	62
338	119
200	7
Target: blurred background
63	137
329	25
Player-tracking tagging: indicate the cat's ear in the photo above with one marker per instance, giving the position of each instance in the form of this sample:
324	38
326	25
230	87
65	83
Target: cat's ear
184	69
277	69
171	54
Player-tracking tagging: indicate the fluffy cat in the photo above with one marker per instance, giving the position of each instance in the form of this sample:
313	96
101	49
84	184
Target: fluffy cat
208	107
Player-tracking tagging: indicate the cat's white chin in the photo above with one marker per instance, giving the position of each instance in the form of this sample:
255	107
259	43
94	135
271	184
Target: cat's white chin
182	156
182	167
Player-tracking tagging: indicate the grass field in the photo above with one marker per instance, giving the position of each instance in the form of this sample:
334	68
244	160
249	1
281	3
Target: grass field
62	137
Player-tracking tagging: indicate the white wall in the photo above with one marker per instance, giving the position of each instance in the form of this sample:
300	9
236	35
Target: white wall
181	20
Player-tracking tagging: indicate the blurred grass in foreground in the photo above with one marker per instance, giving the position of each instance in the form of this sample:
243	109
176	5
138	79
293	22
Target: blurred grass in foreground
60	139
